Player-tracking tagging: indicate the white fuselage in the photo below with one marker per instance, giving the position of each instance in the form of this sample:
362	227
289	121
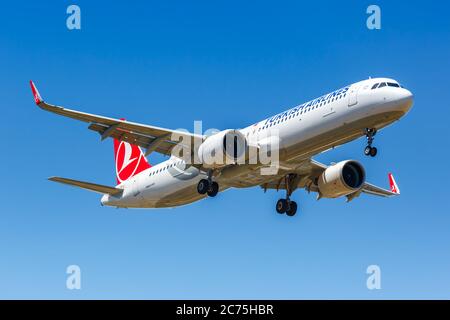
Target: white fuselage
303	131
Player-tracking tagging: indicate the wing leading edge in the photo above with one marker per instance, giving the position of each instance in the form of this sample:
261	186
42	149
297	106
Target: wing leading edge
368	187
316	168
151	138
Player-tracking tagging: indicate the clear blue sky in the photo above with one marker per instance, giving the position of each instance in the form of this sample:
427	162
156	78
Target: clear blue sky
229	64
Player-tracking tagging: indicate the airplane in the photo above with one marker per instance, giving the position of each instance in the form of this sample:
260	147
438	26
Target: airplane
302	132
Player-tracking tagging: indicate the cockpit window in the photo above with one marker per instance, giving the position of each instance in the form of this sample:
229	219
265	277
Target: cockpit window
384	84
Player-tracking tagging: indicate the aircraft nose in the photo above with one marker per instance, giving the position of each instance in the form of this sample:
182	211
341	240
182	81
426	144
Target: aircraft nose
407	95
404	99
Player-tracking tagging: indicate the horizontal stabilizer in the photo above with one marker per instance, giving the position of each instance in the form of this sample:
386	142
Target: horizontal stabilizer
88	186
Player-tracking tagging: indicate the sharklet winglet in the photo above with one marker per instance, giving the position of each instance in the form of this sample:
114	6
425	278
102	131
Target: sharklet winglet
393	185
37	97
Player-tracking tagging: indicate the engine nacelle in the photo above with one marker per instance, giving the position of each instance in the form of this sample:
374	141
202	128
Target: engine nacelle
223	148
341	179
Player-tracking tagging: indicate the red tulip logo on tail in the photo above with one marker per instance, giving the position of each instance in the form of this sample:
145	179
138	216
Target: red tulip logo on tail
129	160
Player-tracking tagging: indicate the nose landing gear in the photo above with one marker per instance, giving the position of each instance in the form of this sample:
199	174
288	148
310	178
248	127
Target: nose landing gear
369	150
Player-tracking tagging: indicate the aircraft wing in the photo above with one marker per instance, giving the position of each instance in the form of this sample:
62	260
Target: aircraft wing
151	138
88	186
314	169
377	191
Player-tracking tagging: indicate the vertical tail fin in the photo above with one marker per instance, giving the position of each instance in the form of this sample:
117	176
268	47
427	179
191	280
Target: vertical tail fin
129	159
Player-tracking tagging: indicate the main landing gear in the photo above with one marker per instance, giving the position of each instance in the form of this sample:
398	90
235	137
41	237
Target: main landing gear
207	186
287	205
369	150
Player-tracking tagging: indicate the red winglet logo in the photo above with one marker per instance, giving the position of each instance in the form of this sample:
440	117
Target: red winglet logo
393	184
37	96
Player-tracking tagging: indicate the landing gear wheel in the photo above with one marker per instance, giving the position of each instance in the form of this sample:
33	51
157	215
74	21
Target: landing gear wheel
292	209
203	186
213	189
281	206
373	152
367	150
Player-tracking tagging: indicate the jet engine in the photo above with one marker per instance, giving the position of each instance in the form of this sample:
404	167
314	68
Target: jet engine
341	179
223	148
